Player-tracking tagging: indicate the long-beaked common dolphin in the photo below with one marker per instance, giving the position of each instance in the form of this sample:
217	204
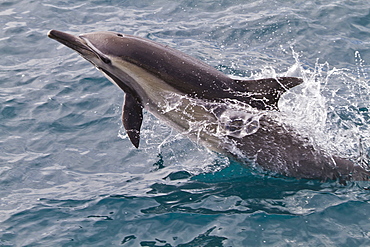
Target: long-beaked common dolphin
234	117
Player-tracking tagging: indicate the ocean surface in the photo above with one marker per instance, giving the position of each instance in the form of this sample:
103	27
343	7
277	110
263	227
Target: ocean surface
69	175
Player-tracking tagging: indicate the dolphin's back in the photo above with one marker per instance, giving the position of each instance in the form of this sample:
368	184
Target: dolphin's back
179	70
190	75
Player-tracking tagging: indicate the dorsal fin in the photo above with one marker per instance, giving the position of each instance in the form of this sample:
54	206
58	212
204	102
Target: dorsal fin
132	118
265	93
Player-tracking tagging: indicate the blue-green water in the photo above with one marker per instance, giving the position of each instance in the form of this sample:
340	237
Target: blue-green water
69	176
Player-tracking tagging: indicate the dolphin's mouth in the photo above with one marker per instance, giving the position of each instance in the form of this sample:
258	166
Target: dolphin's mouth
73	42
79	44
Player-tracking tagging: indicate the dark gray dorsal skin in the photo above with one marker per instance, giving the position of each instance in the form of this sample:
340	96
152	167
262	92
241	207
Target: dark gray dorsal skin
184	91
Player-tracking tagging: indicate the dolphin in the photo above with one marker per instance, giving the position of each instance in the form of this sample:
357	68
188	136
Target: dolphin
235	117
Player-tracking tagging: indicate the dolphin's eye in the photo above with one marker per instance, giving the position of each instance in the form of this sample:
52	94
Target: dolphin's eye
105	59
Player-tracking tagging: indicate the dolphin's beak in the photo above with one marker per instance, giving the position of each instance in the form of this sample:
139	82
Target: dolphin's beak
61	36
79	44
73	42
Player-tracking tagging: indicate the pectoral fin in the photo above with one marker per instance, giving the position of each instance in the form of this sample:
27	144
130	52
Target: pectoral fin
265	93
132	118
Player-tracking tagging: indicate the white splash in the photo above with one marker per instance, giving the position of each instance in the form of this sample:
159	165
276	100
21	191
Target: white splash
238	123
331	108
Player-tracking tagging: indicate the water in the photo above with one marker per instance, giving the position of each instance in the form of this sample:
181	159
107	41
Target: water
69	176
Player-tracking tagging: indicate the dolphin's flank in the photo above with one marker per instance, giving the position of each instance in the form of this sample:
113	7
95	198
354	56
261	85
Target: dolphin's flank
230	116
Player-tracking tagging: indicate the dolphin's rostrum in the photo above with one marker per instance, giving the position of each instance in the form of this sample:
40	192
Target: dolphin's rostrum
230	116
